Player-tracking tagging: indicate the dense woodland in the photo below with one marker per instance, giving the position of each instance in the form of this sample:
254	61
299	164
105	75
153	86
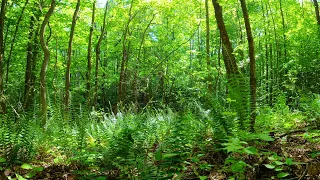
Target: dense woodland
159	89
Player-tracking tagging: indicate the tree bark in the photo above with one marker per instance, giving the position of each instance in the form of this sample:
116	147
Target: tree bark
136	73
89	56
253	81
98	55
14	39
316	7
44	46
125	57
67	85
210	79
3	109
237	88
32	52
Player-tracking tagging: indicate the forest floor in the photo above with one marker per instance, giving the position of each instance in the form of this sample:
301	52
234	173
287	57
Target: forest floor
294	145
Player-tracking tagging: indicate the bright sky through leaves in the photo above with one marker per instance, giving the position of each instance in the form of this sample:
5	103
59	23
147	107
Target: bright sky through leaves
101	3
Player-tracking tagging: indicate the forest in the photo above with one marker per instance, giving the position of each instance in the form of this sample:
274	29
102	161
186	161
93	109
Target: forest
159	89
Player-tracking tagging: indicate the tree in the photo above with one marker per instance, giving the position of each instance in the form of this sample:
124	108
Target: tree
208	46
236	81
32	56
67	85
253	81
44	46
3	109
88	86
125	57
98	54
14	39
316	7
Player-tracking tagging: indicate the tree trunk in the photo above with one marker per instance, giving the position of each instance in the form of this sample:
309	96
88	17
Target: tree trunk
136	73
67	85
32	52
253	81
209	80
124	59
98	55
14	39
3	109
316	7
89	56
44	66
237	88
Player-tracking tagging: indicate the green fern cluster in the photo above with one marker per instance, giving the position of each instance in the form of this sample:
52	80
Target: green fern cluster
16	140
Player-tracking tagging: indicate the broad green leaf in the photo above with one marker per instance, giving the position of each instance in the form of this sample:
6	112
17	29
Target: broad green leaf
265	137
278	169
269	166
282	175
158	155
26	166
165	156
251	150
279	163
31	174
238	166
203	177
101	178
38	169
20	177
2	160
289	161
58	160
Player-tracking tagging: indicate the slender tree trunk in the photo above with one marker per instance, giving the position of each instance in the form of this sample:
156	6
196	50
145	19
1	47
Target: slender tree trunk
253	81
98	55
125	57
3	109
316	7
283	34
44	46
67	85
136	73
237	87
209	81
14	39
32	55
55	75
89	56
230	61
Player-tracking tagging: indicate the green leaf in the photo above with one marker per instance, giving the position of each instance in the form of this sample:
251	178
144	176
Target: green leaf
31	174
282	175
251	150
289	161
269	166
26	166
20	177
165	156
265	137
2	160
238	166
58	160
279	163
158	155
203	177
101	178
38	169
278	169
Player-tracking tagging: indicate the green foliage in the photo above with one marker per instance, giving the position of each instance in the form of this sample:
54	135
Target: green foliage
16	140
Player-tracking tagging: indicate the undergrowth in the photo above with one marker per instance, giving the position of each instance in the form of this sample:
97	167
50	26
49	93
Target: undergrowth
156	144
